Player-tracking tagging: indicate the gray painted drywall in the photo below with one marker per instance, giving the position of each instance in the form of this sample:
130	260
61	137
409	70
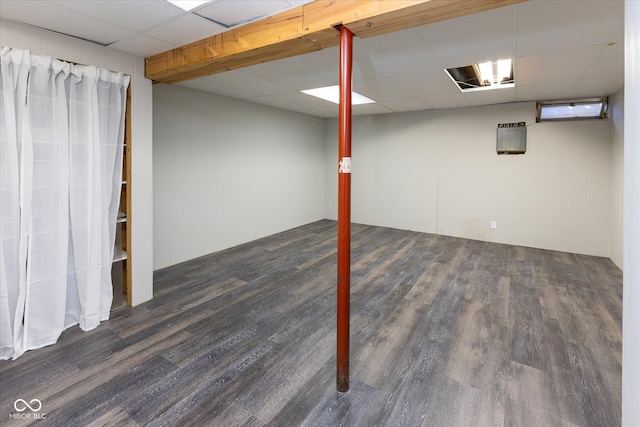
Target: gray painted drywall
229	171
438	172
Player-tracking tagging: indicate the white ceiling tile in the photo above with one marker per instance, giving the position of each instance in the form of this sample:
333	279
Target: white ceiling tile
381	89
294	101
471	39
402	50
142	45
363	109
136	15
363	71
555	66
602	86
561	46
248	82
406	104
63	20
546	26
320	62
389	43
219	89
234	12
302	82
608	62
618	36
185	29
454	100
433	82
488	97
544	91
320	113
286	74
274	71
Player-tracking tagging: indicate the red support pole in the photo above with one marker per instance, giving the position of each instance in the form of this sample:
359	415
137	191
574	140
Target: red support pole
344	210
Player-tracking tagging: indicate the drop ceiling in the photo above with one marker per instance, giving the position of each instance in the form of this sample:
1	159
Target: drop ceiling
561	49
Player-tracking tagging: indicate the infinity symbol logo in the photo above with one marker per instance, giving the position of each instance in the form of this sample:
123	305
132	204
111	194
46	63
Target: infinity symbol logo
21	405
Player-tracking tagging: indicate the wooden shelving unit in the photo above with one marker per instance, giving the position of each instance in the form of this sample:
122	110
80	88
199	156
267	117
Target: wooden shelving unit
121	269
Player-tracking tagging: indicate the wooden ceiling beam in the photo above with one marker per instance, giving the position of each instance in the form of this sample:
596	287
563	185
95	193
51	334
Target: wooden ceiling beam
304	29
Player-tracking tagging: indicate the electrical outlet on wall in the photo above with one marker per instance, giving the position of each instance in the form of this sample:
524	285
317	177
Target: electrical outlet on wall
494	225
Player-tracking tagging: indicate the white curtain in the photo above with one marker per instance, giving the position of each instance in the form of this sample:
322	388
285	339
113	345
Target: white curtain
62	133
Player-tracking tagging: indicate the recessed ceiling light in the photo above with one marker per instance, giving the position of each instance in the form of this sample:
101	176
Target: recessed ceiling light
188	5
483	76
332	94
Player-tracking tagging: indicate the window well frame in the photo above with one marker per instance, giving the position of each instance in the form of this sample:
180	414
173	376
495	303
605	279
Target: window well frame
600	113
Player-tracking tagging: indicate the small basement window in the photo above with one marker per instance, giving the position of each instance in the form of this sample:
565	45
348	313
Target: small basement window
572	109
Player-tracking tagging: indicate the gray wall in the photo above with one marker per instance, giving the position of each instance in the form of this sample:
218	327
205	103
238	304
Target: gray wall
228	172
438	172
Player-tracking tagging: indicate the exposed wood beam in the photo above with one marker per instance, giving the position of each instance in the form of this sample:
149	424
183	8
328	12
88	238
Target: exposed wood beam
305	29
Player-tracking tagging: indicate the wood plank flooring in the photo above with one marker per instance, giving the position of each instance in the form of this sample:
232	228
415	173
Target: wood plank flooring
444	332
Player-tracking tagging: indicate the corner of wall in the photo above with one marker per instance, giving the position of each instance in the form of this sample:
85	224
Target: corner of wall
616	178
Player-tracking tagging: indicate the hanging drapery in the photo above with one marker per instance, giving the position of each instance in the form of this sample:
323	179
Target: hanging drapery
61	146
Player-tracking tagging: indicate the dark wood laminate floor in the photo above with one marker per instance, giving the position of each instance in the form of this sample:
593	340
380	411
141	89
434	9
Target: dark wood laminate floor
444	332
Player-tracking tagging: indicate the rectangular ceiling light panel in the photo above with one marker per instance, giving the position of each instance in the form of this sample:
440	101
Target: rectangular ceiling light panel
332	94
483	76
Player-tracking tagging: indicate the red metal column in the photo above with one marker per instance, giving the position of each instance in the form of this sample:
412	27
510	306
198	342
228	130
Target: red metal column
344	210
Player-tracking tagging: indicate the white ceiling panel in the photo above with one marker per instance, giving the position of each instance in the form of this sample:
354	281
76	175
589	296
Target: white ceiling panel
295	101
219	89
63	20
363	71
433	82
319	63
547	26
185	29
608	62
289	78
389	44
321	113
304	81
406	104
561	48
453	100
138	15
234	12
381	89
141	45
618	36
365	109
601	86
389	53
486	36
555	66
275	71
496	96
248	82
544	91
